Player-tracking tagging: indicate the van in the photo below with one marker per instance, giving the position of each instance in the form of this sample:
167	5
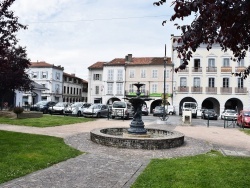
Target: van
170	109
122	109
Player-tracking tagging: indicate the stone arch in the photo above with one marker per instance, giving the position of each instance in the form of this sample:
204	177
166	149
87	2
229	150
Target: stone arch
155	103
234	103
112	99
211	103
185	99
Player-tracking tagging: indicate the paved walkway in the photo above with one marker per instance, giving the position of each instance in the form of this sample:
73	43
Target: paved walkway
109	167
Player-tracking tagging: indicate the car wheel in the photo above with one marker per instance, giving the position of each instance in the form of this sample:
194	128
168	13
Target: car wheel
45	111
98	115
170	113
113	117
146	114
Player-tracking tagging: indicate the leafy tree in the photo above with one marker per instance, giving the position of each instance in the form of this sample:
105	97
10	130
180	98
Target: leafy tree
13	58
226	22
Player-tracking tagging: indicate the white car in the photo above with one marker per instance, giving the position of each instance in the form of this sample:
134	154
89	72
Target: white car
229	114
84	107
74	109
58	108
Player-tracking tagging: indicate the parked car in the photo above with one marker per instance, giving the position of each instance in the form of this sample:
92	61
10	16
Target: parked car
58	108
158	111
42	106
74	109
96	110
209	114
170	109
122	109
84	107
229	114
243	118
199	112
144	110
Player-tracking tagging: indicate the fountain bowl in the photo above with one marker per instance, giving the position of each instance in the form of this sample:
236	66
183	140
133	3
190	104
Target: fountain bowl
153	140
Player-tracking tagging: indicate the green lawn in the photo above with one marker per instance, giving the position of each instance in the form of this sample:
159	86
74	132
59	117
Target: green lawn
201	171
45	121
21	153
247	131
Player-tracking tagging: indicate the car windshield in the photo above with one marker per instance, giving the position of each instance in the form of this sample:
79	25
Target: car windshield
76	104
247	114
95	106
119	105
159	108
230	111
42	102
60	104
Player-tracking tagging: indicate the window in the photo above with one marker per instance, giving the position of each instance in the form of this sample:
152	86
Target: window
35	75
119	88
225	82
196	63
97	77
167	73
57	76
211	82
44	74
154	73
154	88
131	74
111	75
120	75
110	88
240	83
183	82
226	62
211	62
57	88
131	88
97	90
241	63
64	89
196	82
143	89
166	88
143	73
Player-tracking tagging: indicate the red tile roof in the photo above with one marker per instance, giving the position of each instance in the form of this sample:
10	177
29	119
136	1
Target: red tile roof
97	65
43	64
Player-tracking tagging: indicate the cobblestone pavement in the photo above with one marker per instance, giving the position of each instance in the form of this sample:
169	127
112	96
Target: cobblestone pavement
103	166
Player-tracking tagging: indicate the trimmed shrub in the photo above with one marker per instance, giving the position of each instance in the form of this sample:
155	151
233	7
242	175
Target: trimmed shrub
18	110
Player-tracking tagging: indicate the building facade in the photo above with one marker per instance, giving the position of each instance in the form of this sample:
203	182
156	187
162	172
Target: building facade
208	79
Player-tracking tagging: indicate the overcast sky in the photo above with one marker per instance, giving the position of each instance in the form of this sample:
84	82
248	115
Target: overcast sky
77	33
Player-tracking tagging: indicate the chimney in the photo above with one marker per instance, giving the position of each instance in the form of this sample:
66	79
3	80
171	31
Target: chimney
129	57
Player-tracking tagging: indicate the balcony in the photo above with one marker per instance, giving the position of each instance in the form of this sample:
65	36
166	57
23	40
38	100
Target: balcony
240	90
211	90
239	69
196	69
226	90
186	70
132	93
226	69
211	69
196	89
183	89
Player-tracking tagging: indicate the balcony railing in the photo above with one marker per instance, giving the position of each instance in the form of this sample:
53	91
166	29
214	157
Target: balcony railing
183	89
211	69
240	90
226	69
211	90
239	69
196	89
196	69
226	90
184	70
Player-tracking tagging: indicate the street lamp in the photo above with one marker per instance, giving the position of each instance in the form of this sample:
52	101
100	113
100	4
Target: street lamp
164	88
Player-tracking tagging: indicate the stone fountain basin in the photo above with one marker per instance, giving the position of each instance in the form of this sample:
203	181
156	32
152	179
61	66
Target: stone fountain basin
155	138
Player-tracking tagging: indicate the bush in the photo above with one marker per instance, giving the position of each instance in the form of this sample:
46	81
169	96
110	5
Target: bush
18	110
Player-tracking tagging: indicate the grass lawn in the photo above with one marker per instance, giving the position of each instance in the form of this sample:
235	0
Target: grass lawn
201	171
45	121
247	131
21	153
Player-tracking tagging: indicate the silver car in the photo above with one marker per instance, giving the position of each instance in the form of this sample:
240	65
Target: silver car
96	110
58	108
229	114
74	109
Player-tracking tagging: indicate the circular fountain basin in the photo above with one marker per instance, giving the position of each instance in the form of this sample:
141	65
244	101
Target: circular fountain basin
154	139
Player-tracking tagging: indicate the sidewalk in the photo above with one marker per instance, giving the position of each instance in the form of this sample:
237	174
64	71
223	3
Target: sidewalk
109	167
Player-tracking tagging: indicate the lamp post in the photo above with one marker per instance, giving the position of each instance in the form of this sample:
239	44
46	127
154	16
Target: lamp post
164	87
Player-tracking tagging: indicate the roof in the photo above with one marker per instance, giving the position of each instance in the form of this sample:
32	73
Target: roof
43	64
37	86
97	65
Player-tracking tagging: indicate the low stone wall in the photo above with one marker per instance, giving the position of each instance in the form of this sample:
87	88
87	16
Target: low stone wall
159	139
30	114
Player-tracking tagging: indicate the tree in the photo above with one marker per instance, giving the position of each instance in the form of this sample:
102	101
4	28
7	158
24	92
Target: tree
13	58
226	22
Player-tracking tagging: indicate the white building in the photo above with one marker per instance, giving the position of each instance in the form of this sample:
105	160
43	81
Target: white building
50	77
208	80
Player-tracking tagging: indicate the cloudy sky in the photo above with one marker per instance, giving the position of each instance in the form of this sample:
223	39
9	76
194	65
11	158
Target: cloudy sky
77	33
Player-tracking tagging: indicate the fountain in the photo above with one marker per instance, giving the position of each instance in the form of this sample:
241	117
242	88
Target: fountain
136	136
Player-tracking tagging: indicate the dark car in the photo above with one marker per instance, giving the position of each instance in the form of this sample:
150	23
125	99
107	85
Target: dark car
42	106
158	111
209	114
